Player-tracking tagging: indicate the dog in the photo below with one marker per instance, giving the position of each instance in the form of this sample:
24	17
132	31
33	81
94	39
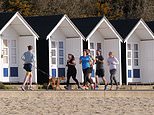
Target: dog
55	82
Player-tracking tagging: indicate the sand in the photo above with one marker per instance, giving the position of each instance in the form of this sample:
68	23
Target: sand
76	103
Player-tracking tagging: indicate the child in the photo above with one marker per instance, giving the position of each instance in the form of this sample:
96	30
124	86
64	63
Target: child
28	59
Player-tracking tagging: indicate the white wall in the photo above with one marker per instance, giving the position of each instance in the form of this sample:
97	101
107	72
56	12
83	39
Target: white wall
147	61
24	41
113	45
1	70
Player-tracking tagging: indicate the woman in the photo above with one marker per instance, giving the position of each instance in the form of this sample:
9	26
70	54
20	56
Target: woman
71	71
85	60
112	62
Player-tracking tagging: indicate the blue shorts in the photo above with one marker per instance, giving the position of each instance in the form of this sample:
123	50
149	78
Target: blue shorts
28	67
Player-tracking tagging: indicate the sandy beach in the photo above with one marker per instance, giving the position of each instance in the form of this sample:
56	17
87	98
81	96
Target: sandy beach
76	103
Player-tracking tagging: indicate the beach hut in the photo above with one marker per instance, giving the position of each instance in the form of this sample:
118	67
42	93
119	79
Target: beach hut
15	35
101	35
62	38
140	54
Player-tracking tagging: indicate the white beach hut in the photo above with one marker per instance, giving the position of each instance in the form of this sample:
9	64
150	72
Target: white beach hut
63	38
15	36
101	35
140	54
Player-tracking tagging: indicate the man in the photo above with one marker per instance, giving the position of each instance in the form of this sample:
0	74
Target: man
112	62
100	69
28	59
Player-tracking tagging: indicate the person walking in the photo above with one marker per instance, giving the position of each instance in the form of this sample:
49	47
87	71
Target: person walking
86	61
28	59
112	62
71	71
100	72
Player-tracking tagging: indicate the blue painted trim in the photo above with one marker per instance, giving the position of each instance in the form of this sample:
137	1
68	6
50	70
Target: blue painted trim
53	72
129	73
13	71
5	72
136	73
61	72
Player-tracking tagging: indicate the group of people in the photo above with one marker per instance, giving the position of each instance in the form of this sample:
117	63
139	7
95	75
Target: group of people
87	61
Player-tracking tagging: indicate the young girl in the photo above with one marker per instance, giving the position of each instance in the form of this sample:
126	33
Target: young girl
71	71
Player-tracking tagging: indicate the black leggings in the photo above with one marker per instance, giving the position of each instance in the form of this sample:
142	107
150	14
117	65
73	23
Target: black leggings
86	78
112	76
73	74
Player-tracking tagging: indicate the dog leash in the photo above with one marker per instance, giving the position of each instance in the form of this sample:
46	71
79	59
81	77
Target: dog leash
41	71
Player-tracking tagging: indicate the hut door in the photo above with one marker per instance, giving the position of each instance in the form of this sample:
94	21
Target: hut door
10	68
129	61
53	59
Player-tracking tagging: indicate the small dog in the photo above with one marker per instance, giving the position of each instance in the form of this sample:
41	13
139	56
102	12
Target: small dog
55	82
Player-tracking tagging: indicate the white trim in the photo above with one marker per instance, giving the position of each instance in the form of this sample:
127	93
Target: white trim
110	26
70	22
141	21
23	21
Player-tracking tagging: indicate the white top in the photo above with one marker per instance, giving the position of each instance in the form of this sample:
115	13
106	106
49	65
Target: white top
112	61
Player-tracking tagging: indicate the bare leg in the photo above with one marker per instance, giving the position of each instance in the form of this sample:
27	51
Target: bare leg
30	80
97	80
25	80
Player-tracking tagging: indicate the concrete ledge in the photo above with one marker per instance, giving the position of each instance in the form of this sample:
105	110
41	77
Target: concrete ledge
76	94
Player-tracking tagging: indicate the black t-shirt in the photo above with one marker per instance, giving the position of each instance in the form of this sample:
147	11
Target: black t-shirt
99	65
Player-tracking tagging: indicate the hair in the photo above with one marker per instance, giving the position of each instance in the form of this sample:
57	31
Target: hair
110	53
88	50
30	47
73	58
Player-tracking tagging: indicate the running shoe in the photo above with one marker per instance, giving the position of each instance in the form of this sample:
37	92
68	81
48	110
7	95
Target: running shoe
22	88
66	87
105	87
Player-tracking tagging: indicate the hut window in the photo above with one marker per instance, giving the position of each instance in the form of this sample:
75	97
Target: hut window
99	46
61	52
61	61
53	60
136	55
91	45
61	45
5	51
129	46
53	44
13	51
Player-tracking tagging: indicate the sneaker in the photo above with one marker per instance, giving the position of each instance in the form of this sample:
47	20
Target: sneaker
80	88
105	87
22	88
86	88
66	87
96	87
92	86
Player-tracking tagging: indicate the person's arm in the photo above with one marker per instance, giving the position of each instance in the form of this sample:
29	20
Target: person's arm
73	63
23	57
80	61
116	60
